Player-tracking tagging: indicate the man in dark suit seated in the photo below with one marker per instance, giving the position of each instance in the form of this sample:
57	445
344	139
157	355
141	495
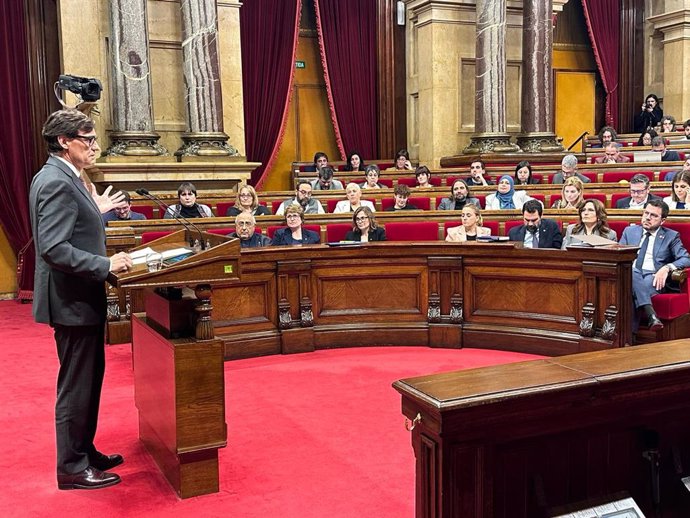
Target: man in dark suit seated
478	174
245	226
69	293
568	169
639	194
667	155
123	213
661	252
536	232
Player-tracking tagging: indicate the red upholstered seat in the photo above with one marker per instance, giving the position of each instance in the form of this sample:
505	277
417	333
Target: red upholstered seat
412	231
682	155
594	196
512	223
539	197
336	231
386	182
619	226
538	177
222	208
592	176
673	305
412	182
147	237
617	176
419	202
146	210
618	196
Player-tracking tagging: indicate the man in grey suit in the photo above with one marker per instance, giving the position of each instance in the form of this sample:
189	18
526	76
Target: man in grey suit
69	293
568	169
661	252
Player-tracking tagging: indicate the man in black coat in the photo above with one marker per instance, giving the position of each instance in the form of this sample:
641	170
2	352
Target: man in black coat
536	232
639	194
69	293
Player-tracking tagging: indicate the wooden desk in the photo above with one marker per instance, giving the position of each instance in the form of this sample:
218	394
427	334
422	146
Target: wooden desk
512	441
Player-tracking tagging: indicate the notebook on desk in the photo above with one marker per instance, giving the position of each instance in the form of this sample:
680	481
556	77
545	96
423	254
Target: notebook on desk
647	156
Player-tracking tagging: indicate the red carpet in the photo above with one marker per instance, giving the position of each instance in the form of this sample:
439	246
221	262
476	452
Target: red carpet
309	435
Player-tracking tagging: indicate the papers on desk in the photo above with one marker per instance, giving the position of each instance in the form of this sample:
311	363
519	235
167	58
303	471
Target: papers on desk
139	256
585	240
623	508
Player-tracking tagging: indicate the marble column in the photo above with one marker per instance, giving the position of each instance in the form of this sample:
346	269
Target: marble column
204	136
537	85
132	133
490	80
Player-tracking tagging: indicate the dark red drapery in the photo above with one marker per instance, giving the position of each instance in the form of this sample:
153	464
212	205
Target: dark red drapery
269	30
347	38
15	141
603	24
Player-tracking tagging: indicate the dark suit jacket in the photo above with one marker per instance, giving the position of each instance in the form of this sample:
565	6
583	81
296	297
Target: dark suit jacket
668	248
624	203
670	156
283	236
549	234
377	234
259	211
71	261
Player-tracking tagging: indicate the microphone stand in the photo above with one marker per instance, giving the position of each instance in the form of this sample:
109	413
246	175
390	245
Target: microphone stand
179	218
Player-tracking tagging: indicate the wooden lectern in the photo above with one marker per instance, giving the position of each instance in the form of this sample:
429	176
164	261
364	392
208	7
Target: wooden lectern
178	362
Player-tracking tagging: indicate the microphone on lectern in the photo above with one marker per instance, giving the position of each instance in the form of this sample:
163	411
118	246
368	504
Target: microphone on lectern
178	217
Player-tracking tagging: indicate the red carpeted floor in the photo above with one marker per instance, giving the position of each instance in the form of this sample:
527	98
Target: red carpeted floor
309	435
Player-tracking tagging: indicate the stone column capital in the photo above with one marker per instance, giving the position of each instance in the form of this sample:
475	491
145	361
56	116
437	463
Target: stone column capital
675	25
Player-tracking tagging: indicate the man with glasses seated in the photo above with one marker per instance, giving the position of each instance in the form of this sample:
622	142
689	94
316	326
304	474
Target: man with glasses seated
661	252
123	213
612	155
326	182
245	226
302	198
639	194
568	169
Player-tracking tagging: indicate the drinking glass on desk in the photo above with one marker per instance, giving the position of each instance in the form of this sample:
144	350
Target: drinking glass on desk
154	261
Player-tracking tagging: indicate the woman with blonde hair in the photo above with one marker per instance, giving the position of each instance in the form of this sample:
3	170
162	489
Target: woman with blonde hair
247	201
471	226
571	194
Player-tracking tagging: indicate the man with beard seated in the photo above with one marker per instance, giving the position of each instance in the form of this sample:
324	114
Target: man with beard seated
459	196
303	198
536	232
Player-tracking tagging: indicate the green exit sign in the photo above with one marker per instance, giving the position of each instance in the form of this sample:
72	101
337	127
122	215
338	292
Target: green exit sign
300	64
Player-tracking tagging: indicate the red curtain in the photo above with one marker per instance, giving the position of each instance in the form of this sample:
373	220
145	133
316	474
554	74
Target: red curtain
16	150
268	30
347	37
603	24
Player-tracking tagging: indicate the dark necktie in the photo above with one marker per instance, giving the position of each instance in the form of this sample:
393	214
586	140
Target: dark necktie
642	252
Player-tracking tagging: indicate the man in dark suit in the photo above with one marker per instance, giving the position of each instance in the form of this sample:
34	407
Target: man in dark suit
661	252
639	194
536	232
69	293
667	155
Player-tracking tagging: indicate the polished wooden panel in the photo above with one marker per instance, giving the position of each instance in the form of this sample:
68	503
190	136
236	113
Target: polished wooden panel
517	440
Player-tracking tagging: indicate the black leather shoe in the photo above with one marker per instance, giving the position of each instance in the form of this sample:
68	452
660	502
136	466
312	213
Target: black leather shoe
90	478
654	323
106	462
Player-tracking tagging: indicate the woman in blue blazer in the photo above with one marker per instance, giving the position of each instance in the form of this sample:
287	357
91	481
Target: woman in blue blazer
294	234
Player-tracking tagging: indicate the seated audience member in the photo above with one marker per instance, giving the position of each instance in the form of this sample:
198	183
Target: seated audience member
245	225
402	161
187	206
372	178
593	220
523	174
325	181
364	227
668	124
354	200
123	213
571	194
320	160
680	186
471	226
459	196
671	174
536	232
646	137
639	194
304	199
568	169
661	252
667	155
478	174
423	175
401	193
354	162
606	134
294	234
247	201
506	197
612	155
686	131
650	115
